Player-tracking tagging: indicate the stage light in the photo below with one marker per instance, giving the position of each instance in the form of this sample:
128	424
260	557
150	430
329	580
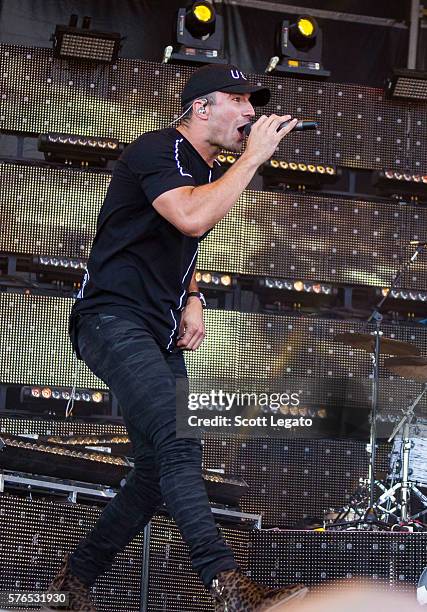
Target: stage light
46	393
277	171
402	294
297	285
390	182
408	84
299	49
63	262
226	160
213	278
199	35
72	148
200	19
61	393
303	32
84	44
203	12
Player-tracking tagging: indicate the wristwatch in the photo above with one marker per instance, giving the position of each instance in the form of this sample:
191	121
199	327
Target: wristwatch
199	295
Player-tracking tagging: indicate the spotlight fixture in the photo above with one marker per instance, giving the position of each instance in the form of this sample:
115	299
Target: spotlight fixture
84	44
79	150
390	182
199	35
406	83
300	50
226	160
279	171
404	294
61	262
213	279
63	393
297	285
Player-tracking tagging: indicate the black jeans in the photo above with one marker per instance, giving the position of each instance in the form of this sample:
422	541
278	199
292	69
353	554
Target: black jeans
142	376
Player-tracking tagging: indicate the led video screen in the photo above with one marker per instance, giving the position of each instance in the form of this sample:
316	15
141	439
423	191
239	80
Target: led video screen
53	212
357	126
253	351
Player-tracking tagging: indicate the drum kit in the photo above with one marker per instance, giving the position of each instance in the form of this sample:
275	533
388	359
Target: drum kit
409	454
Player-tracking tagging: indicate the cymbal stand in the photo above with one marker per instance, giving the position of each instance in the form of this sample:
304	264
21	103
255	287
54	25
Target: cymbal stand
377	317
403	484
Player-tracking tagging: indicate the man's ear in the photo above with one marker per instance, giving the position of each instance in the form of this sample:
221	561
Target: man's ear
200	106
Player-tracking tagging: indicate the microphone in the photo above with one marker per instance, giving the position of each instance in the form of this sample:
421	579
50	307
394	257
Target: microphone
300	126
417	243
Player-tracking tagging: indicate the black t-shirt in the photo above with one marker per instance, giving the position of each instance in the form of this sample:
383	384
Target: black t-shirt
140	265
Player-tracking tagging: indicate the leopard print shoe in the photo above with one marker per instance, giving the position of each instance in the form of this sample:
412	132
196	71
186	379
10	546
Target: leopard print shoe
235	592
66	582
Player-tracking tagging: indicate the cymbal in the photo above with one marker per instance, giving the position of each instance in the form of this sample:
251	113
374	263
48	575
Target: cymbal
388	346
414	368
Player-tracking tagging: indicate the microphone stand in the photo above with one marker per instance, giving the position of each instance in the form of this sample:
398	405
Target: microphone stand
376	316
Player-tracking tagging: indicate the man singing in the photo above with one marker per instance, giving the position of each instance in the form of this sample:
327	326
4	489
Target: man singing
138	309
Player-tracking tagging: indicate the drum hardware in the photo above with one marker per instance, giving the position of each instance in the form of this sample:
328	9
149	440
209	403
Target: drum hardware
414	368
376	345
348	515
388	346
352	516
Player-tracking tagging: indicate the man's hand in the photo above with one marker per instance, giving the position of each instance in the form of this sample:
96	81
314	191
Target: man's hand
192	328
265	136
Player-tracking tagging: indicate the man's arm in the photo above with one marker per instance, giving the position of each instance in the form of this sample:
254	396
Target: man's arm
195	210
193	286
192	328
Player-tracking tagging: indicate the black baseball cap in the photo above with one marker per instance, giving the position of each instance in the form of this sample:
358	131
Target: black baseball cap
222	77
